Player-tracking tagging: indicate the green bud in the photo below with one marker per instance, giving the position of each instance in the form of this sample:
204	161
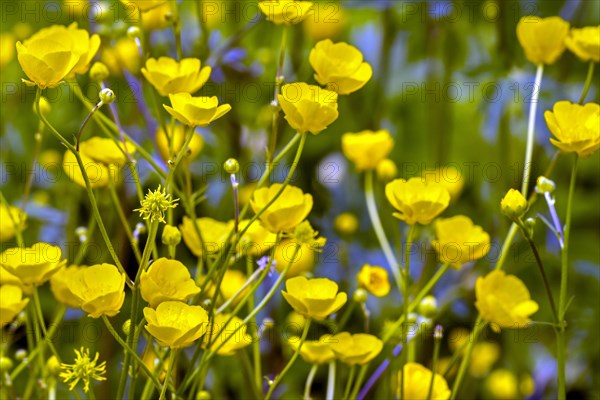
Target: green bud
126	328
171	236
53	366
203	395
134	32
232	166
544	185
20	354
6	364
360	296
428	307
99	72
107	96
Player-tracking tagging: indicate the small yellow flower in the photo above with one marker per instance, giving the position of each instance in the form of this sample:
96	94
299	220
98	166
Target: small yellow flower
303	262
107	151
346	223
308	108
167	280
367	148
417	201
144	5
374	279
155	204
177	137
99	72
84	369
171	236
448	176
339	66
7	48
459	241
124	55
169	76
232	283
325	28
12	220
575	127
483	357
502	384
156	18
386	170
33	265
287	212
100	289
417	380
543	39
286	12
213	234
256	240
176	324
11	303
585	43
359	348
314	351
504	301
195	111
513	205
315	298
59	285
218	332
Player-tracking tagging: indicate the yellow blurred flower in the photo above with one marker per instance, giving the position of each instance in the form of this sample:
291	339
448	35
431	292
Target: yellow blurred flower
32	265
100	289
256	240
195	111
176	324
7	48
167	280
502	384
59	285
513	204
585	43
417	201
144	5
177	137
6	278
314	298
386	170
449	177
213	234
308	108
11	303
504	301
367	148
339	66
232	283
302	263
12	219
346	223
483	357
314	351
374	279
527	385
543	39
156	18
169	76
286	12
459	241
417	380
575	127
287	212
106	151
124	54
323	26
218	332
359	348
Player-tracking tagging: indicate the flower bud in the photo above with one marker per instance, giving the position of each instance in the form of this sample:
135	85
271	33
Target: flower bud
203	395
360	296
134	32
6	364
20	354
438	334
107	96
386	170
428	307
346	223
544	185
45	107
53	366
126	328
513	205
99	72
412	318
171	236
232	166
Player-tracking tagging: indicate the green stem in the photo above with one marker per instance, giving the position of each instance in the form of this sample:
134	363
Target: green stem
510	236
349	381
168	376
361	377
588	82
407	250
117	205
437	340
466	358
275	104
531	129
85	121
17	224
257	366
309	381
331	380
37	146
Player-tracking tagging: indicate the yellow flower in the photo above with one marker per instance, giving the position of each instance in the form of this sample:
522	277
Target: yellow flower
167	280
308	108
107	151
502	384
177	137
339	66
374	279
218	332
169	76
575	127
100	289
156	204
84	369
286	12
7	48
483	357
459	241
195	111
233	281
417	201
6	278
315	298
32	265
156	18
346	223
176	324
59	285
359	348
386	170
287	212
171	236
144	5
543	39
448	176
325	28
513	204
11	303
314	351
504	300
12	220
304	261
367	148
585	43
213	234
123	55
256	240
417	380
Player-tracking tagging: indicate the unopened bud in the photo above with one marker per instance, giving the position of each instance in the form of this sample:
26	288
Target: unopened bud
107	96
126	328
438	334
53	366
544	185
203	395
232	166
6	364
346	223
360	296
134	32
386	170
99	72
428	307
20	354
171	236
513	204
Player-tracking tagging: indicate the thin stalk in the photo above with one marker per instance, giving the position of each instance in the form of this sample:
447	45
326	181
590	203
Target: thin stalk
85	121
467	358
531	128
588	82
37	146
409	238
437	340
257	365
275	103
168	376
331	381
309	381
349	381
117	205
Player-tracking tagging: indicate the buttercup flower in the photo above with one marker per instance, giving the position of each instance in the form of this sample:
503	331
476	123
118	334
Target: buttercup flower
256	240
176	324
483	357
144	5
339	66
513	205
11	303
106	151
100	289
167	280
84	369
325	28
308	108
575	127
218	332
233	281
346	223
286	12
502	384
417	380
155	204
417	201
386	170
303	262
177	138
367	148
315	298
504	300
448	176
124	54
459	241
213	234
195	111
374	279
33	265
59	285
314	351
11	220
6	278
171	235
359	348
287	212
585	43
543	39
169	76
